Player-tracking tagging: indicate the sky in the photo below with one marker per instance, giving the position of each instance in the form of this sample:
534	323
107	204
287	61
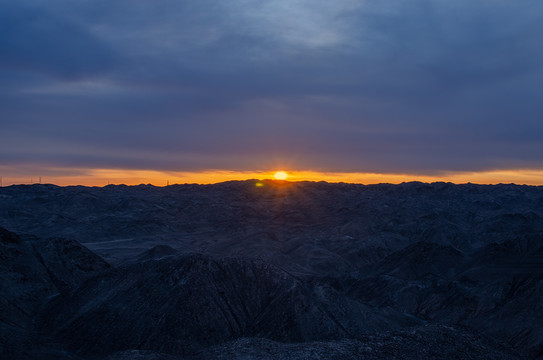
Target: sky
95	91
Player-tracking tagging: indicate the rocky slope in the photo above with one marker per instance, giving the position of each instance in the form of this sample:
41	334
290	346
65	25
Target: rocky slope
185	303
305	227
284	270
32	271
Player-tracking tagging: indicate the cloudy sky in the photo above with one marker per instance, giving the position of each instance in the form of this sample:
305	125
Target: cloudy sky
419	87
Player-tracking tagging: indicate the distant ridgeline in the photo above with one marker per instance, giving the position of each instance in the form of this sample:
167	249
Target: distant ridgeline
277	269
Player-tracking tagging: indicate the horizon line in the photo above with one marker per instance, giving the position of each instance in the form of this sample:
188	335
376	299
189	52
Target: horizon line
104	177
273	181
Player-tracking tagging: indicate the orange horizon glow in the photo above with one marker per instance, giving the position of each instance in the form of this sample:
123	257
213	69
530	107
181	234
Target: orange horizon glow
102	177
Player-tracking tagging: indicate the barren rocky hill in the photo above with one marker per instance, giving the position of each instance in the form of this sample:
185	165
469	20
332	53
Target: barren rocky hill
284	270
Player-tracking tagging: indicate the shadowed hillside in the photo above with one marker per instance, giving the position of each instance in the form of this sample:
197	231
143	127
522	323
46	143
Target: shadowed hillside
286	270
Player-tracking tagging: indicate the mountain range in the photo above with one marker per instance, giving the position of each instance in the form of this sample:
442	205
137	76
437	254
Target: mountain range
272	270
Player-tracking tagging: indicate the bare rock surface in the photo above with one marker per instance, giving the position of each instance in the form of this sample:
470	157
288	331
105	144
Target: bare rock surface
32	271
283	271
180	305
305	227
425	342
141	355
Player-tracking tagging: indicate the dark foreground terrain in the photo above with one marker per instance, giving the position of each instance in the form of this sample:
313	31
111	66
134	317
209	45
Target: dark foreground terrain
280	271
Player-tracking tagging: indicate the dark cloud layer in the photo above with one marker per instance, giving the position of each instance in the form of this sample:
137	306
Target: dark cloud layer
364	86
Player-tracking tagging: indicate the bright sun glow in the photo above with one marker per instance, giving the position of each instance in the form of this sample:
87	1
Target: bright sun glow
280	175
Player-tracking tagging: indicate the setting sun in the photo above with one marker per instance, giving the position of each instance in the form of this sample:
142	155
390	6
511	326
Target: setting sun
280	175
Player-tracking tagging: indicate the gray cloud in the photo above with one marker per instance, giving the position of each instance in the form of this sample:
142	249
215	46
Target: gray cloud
36	39
419	86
